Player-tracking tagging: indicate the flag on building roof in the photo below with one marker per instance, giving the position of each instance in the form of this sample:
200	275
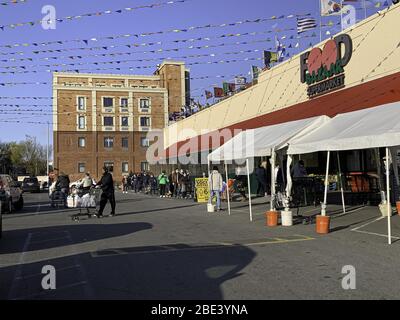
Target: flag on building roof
270	57
218	92
228	87
329	8
281	50
255	71
240	83
209	94
304	24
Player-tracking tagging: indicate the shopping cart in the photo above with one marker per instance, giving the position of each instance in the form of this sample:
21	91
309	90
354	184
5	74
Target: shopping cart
86	203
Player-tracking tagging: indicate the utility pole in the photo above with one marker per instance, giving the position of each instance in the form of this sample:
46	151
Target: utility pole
48	141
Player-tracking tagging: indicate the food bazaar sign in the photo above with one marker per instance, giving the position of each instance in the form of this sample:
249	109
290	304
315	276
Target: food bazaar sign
323	70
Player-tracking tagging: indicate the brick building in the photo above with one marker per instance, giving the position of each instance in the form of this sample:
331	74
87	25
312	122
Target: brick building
103	119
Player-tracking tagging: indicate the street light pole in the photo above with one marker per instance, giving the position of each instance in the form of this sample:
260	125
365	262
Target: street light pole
48	141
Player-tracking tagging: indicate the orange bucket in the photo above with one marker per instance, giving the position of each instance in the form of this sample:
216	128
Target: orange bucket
323	223
272	218
398	207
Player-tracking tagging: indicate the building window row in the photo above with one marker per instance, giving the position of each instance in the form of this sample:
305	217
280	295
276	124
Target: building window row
144	166
108	102
109	142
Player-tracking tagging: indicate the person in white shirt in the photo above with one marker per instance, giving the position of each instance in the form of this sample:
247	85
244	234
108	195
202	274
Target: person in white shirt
215	184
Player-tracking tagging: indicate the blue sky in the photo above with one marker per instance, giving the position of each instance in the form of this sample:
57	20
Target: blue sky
178	16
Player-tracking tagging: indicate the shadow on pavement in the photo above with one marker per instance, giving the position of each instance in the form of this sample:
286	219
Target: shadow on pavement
58	236
165	272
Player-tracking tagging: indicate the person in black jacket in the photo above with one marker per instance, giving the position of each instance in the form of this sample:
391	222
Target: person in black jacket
63	185
261	175
107	185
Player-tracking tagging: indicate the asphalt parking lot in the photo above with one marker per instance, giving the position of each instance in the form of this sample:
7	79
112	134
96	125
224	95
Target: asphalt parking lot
173	249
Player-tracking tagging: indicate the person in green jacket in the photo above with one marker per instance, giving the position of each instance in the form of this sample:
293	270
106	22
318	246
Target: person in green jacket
162	181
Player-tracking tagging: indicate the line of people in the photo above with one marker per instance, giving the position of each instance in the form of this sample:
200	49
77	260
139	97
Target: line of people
178	184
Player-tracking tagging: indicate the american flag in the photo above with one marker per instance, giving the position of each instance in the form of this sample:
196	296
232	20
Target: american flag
304	24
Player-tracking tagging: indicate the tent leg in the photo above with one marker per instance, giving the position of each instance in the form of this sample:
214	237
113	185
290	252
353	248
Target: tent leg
227	188
323	211
288	181
273	180
389	205
341	183
248	183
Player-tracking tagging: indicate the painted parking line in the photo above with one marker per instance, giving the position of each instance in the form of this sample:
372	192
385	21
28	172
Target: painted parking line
26	274
12	295
357	229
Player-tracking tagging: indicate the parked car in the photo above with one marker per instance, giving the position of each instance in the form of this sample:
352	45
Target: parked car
31	185
10	196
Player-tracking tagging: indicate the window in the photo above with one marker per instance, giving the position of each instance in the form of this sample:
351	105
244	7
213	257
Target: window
125	143
145	121
144	142
124	102
81	122
82	142
108	142
125	167
81	168
109	165
144	103
144	166
108	121
81	103
124	122
108	102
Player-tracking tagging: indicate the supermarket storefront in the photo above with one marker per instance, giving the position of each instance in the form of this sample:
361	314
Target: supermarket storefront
357	69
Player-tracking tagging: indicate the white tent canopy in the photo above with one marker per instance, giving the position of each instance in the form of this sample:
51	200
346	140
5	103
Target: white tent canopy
365	129
369	128
260	142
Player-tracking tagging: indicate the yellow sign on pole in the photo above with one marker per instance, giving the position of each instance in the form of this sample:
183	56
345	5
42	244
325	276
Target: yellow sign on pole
202	191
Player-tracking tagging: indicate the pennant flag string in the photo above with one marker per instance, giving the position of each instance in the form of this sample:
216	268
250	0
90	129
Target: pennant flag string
12	2
132	60
159	51
144	44
132	68
93	14
147	34
49	83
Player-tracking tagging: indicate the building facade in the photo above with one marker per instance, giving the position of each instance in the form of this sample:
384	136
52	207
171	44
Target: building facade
102	120
370	77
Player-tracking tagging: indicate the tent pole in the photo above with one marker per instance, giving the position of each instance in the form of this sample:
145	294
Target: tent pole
289	181
323	211
227	188
273	180
389	205
341	183
248	187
